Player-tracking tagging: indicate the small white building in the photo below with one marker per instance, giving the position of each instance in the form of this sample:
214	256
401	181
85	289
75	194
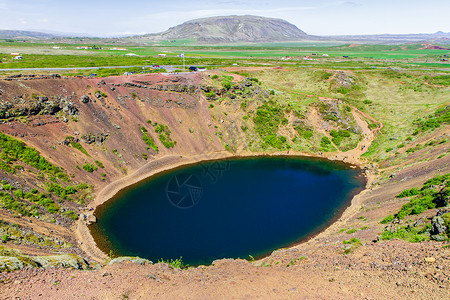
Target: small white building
131	54
162	55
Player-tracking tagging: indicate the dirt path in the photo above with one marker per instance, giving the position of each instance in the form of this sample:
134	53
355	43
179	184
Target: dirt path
368	135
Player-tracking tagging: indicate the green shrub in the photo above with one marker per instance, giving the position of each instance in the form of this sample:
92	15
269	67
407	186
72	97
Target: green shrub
343	90
411	234
408	193
8	202
352	241
149	140
175	263
339	136
325	142
388	219
89	167
164	135
226	85
210	94
71	215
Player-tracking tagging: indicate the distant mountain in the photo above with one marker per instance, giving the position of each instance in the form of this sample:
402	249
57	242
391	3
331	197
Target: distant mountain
437	37
232	29
19	34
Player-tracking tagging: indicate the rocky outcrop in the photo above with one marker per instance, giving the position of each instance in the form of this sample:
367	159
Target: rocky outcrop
135	260
97	138
440	227
178	88
31	77
13	260
85	99
248	88
20	106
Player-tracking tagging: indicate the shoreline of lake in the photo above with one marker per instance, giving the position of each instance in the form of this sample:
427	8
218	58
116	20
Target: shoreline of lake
168	163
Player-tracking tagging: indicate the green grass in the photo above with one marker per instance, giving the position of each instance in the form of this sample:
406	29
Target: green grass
78	146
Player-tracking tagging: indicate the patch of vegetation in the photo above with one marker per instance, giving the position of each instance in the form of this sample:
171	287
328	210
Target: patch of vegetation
89	167
339	136
434	193
9	203
373	126
103	94
6	167
441	116
388	219
325	144
99	164
71	214
164	135
175	263
148	139
408	233
73	142
59	190
12	150
304	131
320	75
267	120
443	80
351	245
326	112
295	260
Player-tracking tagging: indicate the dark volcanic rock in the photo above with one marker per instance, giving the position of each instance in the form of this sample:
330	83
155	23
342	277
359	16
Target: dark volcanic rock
85	99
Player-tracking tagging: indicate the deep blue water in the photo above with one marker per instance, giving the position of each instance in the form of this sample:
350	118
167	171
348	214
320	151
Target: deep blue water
226	209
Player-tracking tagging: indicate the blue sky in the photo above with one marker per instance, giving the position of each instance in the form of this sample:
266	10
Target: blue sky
320	17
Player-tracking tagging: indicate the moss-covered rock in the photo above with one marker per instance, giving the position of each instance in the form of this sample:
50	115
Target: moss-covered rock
135	260
12	260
